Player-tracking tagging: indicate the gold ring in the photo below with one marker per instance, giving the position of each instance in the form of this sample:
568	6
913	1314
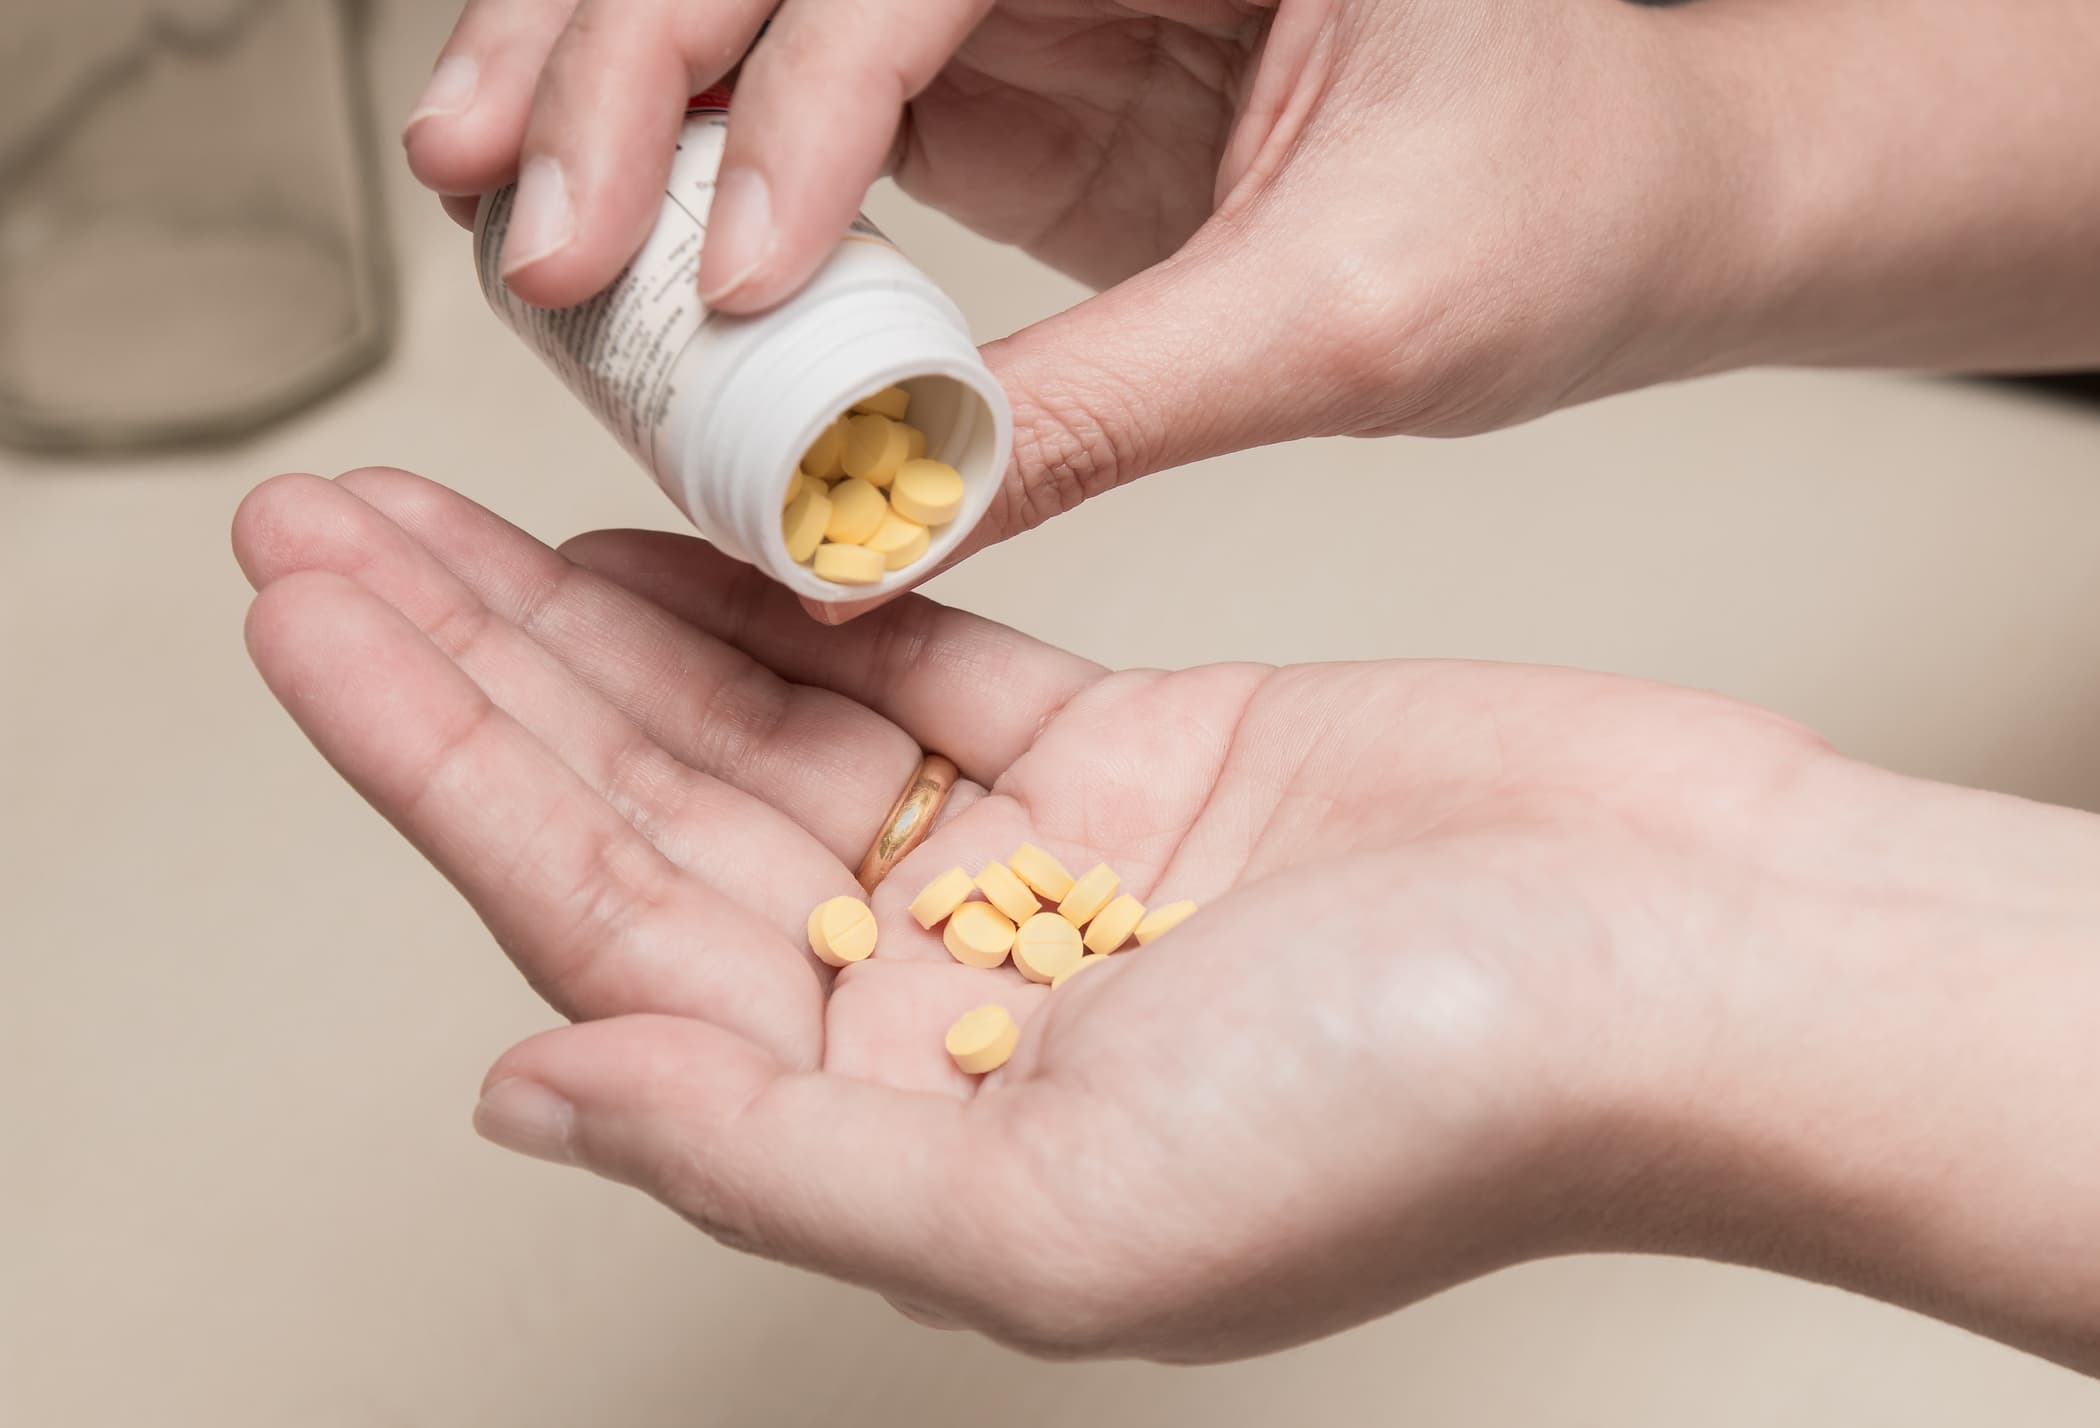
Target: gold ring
910	819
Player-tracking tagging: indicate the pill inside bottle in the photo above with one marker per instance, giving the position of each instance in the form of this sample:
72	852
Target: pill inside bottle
740	418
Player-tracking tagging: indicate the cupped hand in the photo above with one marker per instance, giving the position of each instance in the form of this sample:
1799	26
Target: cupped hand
1436	901
1312	217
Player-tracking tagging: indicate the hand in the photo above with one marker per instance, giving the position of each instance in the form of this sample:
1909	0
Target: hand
1461	938
1324	216
1338	216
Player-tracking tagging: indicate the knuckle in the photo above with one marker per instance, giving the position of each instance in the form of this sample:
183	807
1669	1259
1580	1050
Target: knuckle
616	893
795	50
903	639
1370	350
1438	349
1065	451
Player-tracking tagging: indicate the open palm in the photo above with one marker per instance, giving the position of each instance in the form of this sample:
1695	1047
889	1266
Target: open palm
1420	885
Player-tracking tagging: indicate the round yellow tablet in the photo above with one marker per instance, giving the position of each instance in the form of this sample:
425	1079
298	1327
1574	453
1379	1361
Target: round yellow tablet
1113	924
1046	947
1089	894
794	489
905	555
978	935
983	1039
898	536
857	512
875	448
802	523
929	492
841	930
914	443
1162	920
941	896
1092	959
892	402
1040	871
1006	892
847	564
822	460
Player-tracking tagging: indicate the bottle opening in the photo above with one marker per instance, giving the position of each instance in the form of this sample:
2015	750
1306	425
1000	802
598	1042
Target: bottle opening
962	430
957	422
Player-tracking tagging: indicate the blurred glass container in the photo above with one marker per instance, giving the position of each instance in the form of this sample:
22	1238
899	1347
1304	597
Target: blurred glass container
191	239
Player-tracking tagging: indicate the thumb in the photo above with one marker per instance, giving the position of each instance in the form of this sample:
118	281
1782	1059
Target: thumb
1210	351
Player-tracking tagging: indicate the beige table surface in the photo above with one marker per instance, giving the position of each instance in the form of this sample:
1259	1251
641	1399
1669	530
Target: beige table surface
244	1023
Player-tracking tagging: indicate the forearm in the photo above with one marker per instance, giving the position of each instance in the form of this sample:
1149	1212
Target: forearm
1901	1095
1919	183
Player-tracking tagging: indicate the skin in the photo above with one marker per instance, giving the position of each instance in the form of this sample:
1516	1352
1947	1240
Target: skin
1492	962
1343	216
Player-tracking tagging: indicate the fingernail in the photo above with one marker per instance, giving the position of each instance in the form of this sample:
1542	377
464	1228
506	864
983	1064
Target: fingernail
541	221
461	208
450	91
739	230
827	614
526	1117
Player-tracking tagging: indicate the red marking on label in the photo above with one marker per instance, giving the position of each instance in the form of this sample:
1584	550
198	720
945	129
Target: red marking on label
715	98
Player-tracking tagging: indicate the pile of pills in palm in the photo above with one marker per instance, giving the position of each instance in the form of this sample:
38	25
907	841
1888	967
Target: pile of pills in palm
1088	919
866	500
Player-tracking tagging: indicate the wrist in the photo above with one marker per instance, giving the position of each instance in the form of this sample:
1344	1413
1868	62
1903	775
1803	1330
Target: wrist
1892	1092
1911	184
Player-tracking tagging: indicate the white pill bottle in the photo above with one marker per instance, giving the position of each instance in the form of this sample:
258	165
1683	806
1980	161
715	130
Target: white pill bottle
719	409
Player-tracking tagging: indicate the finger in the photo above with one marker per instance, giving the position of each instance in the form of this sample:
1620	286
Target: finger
974	690
736	844
460	208
603	130
826	762
593	916
897	1190
815	116
1220	348
462	136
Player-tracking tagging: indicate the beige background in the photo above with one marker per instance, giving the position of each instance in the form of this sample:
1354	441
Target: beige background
243	1023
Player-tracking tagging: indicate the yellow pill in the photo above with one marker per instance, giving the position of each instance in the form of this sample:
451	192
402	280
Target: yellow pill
1089	895
1006	892
794	489
892	402
857	512
875	448
914	443
1162	920
841	930
930	492
901	541
1092	959
983	1039
824	454
941	896
978	935
1040	871
802	523
908	555
1112	926
847	564
1046	947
